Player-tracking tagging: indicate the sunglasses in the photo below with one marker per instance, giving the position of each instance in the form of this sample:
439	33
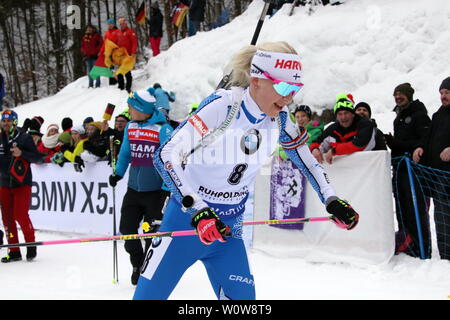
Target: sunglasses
283	88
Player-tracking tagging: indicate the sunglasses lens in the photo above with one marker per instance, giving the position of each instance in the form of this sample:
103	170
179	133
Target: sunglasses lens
284	89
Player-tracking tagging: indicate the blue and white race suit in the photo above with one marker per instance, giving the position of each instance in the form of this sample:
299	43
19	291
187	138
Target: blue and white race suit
217	175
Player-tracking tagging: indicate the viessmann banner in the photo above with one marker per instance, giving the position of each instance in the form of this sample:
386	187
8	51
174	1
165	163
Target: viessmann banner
69	201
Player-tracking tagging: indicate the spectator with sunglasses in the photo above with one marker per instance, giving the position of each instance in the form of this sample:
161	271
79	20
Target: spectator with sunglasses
348	134
209	163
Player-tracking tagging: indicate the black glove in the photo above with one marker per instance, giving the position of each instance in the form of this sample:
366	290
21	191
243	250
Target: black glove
79	164
64	148
391	142
209	226
26	124
113	179
343	214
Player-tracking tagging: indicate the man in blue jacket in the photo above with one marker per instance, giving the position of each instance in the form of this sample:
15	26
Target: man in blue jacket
145	196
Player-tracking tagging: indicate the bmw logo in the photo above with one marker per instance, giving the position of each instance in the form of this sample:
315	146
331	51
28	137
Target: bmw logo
251	141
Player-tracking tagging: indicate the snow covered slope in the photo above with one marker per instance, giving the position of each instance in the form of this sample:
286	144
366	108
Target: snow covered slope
364	47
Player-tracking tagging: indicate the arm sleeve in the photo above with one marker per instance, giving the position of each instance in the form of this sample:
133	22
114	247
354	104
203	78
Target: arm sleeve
134	42
300	155
29	150
172	157
364	139
124	157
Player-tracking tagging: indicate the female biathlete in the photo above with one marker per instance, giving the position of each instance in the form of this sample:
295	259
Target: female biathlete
210	161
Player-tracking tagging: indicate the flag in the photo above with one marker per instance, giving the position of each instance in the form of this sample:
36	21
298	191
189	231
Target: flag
140	15
180	14
100	69
113	55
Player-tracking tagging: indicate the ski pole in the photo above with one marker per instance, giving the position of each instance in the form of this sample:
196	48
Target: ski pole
115	256
225	80
181	233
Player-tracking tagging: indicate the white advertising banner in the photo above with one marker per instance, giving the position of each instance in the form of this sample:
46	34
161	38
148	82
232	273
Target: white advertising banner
64	200
80	202
362	178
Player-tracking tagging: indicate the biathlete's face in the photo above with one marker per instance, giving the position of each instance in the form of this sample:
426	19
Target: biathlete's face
268	100
137	115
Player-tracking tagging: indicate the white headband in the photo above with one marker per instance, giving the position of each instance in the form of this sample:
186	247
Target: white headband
282	66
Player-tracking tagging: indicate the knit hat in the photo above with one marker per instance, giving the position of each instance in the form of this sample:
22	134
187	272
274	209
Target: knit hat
87	120
96	124
343	103
52	126
39	122
142	101
11	115
125	114
66	124
79	129
445	84
406	89
154	5
122	116
364	105
305	109
111	20
33	125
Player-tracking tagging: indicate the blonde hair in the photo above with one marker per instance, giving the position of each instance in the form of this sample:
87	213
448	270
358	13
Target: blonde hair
241	61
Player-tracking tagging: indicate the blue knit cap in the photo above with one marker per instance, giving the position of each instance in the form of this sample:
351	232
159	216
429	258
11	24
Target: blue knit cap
111	20
143	101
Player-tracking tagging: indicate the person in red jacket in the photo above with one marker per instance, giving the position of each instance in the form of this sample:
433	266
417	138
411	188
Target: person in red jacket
111	34
91	44
350	133
126	38
50	143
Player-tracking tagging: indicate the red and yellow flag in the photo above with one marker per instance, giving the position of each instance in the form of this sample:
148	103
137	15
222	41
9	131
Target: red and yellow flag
140	15
180	14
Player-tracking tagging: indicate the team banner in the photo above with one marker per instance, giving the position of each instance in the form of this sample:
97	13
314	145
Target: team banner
69	201
287	195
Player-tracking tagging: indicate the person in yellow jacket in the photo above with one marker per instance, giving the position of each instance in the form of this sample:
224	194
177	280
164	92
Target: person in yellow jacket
69	153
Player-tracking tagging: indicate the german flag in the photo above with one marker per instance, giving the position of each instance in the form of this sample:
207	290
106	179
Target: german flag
140	15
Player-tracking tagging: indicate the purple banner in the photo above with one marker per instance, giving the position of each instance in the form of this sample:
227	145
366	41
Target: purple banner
287	193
